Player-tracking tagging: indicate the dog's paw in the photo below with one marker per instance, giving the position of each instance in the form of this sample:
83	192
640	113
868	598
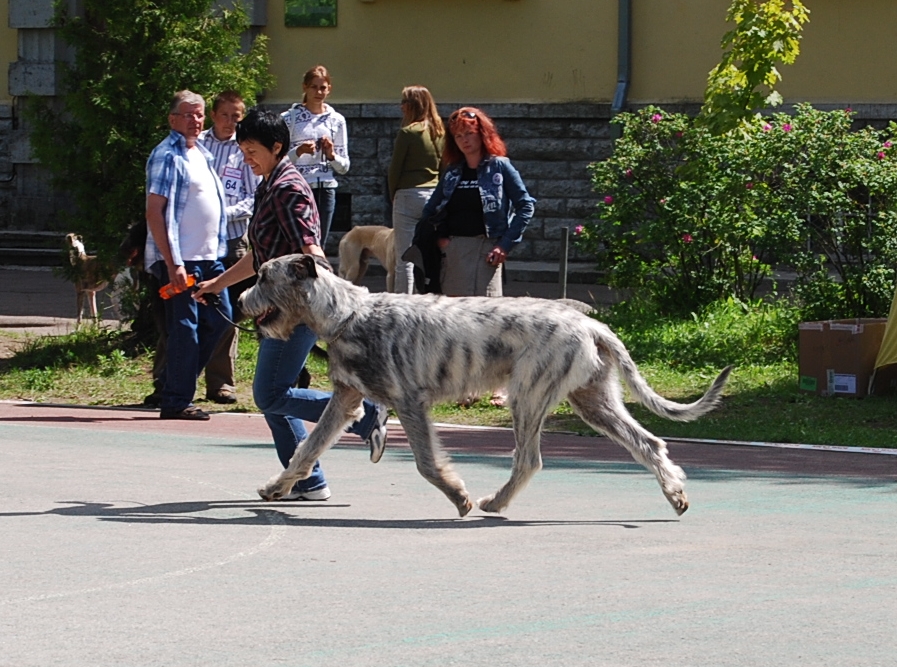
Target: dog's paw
488	504
275	489
464	507
267	494
679	501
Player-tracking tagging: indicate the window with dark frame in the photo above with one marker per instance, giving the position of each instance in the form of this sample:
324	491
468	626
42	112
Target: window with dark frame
310	13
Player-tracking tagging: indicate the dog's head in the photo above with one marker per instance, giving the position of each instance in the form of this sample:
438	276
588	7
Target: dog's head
279	300
75	245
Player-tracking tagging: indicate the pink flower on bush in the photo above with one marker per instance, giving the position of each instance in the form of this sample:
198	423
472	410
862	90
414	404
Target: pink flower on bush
687	238
881	155
628	173
786	127
663	201
578	229
656	118
887	144
608	200
767	127
679	135
749	186
848	110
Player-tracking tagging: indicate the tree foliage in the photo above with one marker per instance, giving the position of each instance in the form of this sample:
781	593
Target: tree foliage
131	56
766	32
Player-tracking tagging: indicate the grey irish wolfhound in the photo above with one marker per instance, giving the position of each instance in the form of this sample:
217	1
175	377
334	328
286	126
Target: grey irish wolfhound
411	351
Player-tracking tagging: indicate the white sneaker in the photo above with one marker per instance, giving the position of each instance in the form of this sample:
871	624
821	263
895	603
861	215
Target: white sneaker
318	494
377	439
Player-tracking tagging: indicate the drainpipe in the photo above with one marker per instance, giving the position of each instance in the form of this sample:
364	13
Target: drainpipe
624	62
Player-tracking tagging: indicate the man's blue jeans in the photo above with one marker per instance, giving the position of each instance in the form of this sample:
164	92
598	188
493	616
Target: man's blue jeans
193	332
285	407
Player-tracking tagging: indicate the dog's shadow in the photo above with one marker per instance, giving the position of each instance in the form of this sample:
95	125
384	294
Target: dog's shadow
260	513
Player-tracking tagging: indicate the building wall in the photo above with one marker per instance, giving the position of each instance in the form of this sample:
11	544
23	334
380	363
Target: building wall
7	52
478	50
546	71
550	144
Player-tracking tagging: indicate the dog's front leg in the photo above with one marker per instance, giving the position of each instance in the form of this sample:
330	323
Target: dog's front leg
343	408
432	463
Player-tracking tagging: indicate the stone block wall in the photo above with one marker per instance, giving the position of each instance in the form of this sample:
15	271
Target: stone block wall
550	144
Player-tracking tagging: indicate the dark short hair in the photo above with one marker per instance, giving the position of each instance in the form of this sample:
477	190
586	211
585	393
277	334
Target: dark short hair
265	127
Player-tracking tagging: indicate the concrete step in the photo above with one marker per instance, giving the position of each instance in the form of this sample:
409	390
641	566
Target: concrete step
28	248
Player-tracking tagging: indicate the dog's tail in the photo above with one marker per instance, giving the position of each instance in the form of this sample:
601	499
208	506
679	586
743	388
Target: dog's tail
644	394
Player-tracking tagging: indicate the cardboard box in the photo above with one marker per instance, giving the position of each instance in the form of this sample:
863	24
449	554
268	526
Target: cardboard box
837	357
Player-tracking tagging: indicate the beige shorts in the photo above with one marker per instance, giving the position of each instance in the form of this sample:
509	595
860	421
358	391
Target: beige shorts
465	271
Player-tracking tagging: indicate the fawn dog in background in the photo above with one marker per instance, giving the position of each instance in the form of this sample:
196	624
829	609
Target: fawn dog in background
356	247
88	275
412	351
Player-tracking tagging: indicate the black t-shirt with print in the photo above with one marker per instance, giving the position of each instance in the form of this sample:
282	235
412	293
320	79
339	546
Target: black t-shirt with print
465	208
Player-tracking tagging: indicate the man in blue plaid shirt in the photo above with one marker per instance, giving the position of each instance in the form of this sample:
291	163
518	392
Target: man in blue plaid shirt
187	224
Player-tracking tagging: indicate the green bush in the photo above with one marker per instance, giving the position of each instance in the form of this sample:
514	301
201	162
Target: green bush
686	218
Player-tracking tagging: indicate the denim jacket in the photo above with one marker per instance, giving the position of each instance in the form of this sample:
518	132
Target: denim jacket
507	206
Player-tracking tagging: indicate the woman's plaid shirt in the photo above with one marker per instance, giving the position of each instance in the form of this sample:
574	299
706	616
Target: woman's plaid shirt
285	216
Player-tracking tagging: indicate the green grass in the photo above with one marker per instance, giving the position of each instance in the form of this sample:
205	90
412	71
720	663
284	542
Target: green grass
679	359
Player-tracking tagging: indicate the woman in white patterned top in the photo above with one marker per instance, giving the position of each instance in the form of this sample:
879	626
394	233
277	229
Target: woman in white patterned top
318	142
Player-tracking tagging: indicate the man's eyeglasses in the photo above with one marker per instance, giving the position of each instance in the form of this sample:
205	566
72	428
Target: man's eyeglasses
195	115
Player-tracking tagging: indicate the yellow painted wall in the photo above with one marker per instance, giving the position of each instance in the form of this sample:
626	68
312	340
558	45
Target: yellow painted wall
675	44
848	54
483	50
559	50
848	51
8	51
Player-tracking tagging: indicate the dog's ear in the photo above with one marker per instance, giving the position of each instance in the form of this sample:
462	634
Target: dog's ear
323	263
303	266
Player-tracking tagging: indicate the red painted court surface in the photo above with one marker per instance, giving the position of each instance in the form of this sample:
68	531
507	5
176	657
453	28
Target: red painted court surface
468	440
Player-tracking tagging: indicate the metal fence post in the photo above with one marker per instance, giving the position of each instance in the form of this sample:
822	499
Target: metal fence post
562	269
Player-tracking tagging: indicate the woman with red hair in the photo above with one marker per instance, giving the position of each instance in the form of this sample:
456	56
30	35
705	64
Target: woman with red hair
483	208
482	204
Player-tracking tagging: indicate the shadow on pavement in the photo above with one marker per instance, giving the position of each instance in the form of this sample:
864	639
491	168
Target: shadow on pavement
259	513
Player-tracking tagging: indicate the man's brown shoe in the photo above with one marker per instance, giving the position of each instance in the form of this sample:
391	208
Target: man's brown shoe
223	396
191	412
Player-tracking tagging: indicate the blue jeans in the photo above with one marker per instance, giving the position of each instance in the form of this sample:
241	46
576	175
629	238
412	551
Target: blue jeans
193	333
285	407
325	200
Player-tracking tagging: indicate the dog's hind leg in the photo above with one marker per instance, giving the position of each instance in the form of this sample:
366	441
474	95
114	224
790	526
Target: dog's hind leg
432	463
528	410
601	406
343	408
80	299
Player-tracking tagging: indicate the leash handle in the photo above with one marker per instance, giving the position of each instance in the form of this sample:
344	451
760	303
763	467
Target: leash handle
215	301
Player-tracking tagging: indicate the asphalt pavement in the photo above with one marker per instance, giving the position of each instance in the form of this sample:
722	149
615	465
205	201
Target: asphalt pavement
127	540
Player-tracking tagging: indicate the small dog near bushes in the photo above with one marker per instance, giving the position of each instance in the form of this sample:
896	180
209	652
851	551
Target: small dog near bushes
87	275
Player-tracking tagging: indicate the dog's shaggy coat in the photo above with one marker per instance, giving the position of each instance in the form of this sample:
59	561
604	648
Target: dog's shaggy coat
410	352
